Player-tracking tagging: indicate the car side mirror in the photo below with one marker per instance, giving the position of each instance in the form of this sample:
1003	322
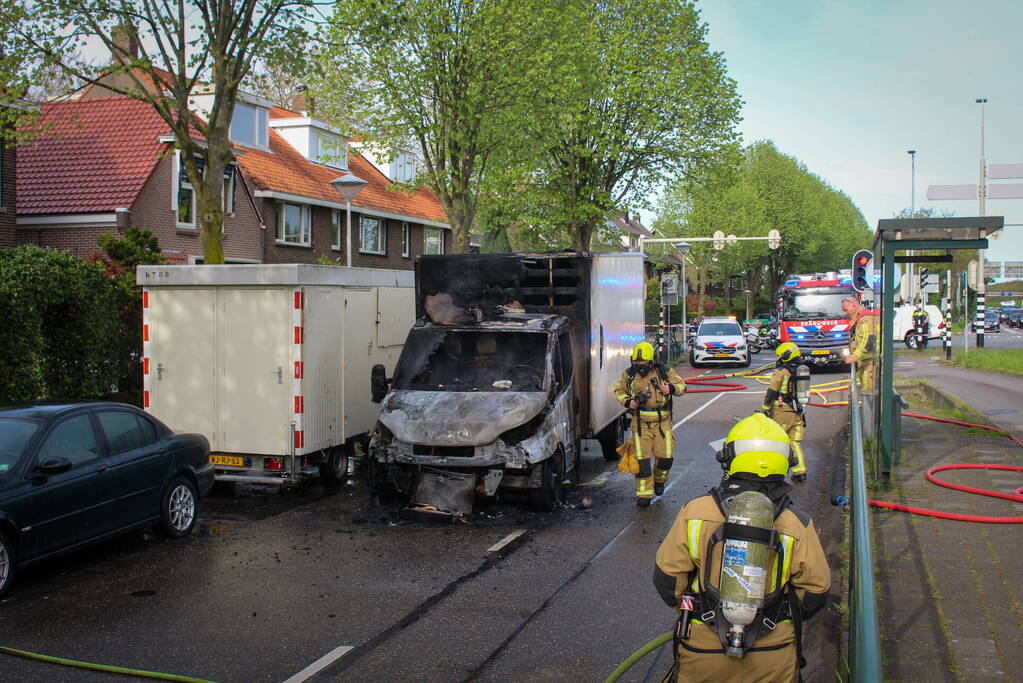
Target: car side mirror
55	465
378	383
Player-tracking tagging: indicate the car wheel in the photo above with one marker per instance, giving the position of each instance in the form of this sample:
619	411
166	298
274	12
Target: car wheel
180	505
6	562
749	360
546	496
611	438
334	468
692	360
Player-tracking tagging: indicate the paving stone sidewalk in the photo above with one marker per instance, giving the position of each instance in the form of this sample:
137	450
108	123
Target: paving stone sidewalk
950	593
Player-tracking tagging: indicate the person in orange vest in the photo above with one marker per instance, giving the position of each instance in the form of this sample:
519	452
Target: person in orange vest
864	343
646	389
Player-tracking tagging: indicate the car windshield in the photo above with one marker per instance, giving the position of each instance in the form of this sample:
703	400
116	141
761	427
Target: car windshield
14	435
720	330
806	306
460	360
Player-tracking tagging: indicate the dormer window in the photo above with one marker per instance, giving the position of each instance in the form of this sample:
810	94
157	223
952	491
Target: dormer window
314	140
403	169
249	126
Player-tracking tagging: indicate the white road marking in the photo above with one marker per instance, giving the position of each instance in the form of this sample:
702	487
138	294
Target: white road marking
505	541
320	664
695	412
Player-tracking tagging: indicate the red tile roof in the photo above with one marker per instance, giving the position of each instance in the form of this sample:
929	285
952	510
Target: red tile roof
285	170
93	156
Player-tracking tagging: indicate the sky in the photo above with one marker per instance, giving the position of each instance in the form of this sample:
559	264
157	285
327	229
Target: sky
848	87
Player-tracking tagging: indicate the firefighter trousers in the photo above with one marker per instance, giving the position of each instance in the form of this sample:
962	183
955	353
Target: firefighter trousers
794	424
654	443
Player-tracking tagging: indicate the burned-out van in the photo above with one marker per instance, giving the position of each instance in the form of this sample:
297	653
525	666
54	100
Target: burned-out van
505	378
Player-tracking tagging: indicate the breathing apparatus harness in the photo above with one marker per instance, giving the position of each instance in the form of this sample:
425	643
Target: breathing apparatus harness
795	391
781	603
661	375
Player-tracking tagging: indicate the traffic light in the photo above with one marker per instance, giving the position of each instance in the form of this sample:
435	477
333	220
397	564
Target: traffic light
923	277
860	262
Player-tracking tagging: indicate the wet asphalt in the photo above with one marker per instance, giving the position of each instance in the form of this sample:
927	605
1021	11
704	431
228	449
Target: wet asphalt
272	583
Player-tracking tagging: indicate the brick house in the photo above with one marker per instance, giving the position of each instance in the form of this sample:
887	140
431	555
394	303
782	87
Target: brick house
107	163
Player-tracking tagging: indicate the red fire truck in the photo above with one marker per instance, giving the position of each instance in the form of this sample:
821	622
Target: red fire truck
810	315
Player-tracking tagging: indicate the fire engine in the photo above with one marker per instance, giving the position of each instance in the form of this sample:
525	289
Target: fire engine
810	316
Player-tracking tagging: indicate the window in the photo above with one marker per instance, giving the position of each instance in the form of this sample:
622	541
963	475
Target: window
433	241
329	150
335	229
372	236
185	198
403	169
123	430
250	125
293	224
406	239
72	439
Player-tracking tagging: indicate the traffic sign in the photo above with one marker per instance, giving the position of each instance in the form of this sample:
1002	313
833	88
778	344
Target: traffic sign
719	240
732	240
773	239
669	283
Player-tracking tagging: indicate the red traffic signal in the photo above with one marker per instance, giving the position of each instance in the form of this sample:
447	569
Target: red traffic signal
861	259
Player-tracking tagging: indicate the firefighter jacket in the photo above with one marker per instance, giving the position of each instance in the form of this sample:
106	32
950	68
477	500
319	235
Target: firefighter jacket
680	569
781	393
633	384
866	335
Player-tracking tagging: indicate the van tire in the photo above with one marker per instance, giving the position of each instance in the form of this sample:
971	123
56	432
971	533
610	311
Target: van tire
611	438
545	497
334	468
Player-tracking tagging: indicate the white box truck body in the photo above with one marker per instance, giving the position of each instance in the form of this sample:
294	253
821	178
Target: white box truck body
507	376
270	362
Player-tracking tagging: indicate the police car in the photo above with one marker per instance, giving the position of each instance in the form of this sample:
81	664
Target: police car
719	341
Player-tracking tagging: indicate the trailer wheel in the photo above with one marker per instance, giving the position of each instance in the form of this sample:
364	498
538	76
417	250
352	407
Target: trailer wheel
546	496
334	468
611	438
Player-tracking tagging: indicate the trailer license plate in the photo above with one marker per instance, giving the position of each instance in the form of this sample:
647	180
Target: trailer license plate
821	352
232	460
722	355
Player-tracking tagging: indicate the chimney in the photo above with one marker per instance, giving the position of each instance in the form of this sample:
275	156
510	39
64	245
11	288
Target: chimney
303	102
125	39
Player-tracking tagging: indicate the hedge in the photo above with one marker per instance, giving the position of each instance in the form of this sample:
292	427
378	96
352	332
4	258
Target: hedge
59	336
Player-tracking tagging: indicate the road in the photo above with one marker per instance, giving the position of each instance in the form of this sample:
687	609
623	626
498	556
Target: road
321	585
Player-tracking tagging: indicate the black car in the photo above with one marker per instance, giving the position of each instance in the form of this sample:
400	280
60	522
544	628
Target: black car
1016	318
76	473
991	323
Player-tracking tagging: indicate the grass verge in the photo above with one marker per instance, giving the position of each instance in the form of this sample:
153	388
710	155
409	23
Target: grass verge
1003	361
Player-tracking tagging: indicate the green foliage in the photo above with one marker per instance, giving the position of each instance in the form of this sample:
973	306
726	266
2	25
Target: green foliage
448	79
1003	361
60	321
646	98
750	194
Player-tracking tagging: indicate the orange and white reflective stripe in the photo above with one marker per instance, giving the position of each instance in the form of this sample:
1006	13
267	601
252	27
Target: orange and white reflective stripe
296	383
147	378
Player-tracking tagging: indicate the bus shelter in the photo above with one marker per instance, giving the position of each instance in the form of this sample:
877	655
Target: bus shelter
899	240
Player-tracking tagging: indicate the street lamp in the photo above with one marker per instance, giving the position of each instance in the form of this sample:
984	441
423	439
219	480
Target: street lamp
683	248
912	212
349	186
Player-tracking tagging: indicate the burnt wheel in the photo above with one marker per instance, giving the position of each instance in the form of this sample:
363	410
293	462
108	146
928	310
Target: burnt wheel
546	497
179	509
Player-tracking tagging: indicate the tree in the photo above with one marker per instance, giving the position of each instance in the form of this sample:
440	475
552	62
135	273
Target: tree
453	78
750	194
166	53
648	99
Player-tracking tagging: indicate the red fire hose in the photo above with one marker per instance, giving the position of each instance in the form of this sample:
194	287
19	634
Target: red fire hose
1016	496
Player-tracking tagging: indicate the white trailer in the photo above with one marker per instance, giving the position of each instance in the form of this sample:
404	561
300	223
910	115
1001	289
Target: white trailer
271	362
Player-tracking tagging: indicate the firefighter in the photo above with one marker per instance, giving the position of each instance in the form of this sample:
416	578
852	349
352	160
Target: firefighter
646	388
864	343
794	580
782	405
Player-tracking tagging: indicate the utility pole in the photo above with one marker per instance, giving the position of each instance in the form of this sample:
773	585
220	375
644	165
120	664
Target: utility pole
982	195
912	212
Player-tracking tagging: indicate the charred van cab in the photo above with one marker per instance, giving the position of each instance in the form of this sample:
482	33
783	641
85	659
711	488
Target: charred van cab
498	386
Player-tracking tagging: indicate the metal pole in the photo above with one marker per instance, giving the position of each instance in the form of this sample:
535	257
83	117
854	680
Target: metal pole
947	303
981	275
685	291
348	243
911	289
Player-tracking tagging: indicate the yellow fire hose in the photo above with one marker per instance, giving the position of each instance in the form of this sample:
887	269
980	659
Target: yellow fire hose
638	655
101	667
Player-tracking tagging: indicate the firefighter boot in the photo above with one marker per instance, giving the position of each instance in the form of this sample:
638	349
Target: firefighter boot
644	483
